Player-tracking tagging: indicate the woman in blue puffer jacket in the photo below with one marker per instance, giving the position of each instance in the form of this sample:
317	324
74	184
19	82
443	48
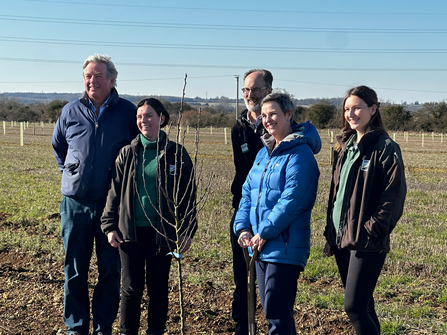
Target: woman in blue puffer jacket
274	213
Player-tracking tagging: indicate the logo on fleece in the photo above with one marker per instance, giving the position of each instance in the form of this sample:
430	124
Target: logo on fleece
365	164
172	169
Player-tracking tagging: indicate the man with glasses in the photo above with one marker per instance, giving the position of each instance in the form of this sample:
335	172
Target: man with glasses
246	141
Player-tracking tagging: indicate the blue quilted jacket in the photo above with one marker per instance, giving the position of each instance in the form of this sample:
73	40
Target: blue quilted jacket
279	194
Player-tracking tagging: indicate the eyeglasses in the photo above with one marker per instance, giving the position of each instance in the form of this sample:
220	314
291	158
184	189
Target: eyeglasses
253	90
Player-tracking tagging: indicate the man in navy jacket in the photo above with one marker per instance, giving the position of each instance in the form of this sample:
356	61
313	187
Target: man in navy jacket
246	140
88	135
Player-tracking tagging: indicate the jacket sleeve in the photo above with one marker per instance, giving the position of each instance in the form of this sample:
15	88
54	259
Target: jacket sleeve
299	194
242	218
240	163
59	142
391	201
187	194
110	214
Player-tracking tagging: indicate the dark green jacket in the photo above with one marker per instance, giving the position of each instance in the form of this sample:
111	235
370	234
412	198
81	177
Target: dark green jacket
177	184
374	197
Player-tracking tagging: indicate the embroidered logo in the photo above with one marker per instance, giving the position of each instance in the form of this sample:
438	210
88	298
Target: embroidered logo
365	164
171	169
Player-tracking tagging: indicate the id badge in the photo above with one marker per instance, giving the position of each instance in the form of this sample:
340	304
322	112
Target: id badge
365	164
244	148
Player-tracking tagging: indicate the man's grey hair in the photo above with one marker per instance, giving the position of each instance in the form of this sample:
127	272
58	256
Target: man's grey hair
266	75
112	73
283	100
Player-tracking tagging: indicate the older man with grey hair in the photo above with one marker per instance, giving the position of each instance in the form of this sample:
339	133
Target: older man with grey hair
88	135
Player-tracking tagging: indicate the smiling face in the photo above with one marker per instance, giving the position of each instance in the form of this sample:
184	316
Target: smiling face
275	121
149	122
252	99
358	114
96	83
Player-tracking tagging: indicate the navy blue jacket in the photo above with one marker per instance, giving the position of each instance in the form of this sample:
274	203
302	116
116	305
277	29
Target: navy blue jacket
279	194
86	147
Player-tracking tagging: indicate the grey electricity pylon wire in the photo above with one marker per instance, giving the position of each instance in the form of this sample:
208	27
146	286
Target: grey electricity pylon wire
78	21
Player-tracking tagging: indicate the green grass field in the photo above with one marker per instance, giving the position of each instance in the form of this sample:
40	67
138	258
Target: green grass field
411	294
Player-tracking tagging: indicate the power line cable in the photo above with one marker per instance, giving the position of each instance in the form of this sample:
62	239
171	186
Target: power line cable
216	47
120	80
219	66
254	10
348	86
227	76
222	27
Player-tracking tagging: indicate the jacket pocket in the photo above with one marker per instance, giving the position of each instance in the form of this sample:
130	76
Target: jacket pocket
286	238
71	164
355	236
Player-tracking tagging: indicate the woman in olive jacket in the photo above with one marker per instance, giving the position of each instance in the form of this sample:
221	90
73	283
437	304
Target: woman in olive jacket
366	200
151	199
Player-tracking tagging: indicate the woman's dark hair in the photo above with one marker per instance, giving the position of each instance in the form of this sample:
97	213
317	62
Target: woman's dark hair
369	96
158	108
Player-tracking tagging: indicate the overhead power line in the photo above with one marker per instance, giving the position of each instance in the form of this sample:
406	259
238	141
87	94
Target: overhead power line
219	66
252	10
216	47
199	26
120	80
226	76
350	85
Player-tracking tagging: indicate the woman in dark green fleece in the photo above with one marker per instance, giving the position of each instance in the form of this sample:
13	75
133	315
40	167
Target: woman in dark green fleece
151	175
366	200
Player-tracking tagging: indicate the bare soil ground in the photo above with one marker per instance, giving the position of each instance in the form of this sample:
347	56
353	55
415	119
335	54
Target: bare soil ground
31	300
31	291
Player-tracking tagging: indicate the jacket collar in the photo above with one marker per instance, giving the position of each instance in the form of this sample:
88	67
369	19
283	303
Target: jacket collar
365	141
303	133
113	99
164	146
244	118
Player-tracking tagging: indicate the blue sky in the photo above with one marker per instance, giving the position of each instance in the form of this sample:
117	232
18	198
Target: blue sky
315	49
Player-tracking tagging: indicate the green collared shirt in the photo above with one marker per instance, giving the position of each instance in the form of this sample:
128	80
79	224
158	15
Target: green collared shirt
352	154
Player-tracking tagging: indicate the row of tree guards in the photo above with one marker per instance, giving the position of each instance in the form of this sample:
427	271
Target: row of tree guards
405	134
26	125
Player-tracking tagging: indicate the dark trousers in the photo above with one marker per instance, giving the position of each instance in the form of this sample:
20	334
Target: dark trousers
277	284
359	272
142	261
239	304
80	231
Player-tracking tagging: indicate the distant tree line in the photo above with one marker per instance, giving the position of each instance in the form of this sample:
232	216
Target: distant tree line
322	113
430	117
11	110
217	115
